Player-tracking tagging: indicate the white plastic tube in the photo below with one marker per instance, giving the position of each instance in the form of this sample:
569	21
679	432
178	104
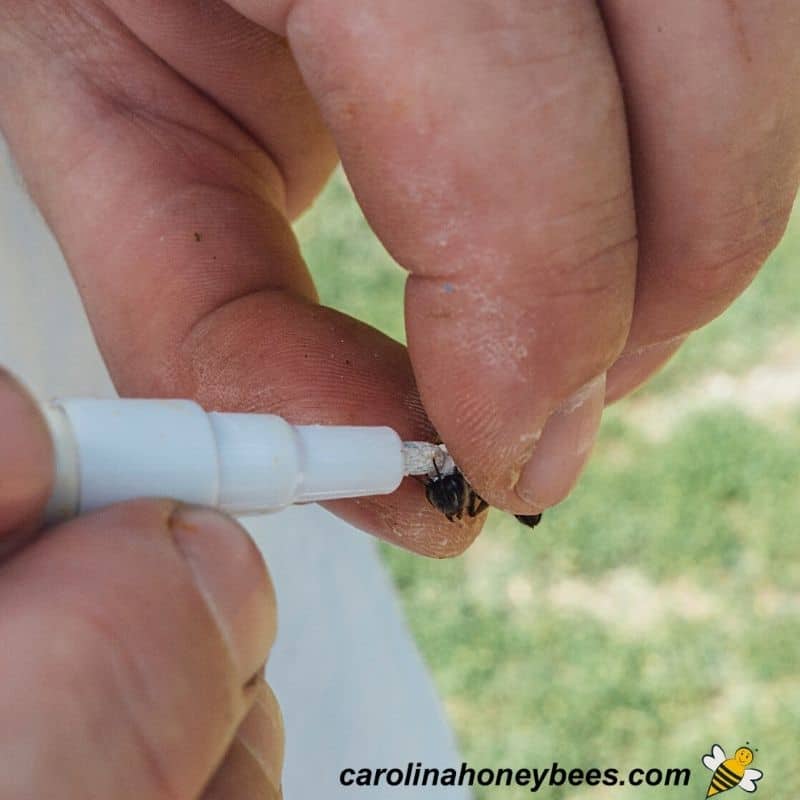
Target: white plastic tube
107	451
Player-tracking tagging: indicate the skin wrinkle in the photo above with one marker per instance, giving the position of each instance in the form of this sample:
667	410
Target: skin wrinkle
124	97
507	459
266	184
51	26
240	776
223	58
149	744
713	278
258	760
741	34
496	347
193	193
84	635
113	89
176	524
417	536
555	261
257	196
204	337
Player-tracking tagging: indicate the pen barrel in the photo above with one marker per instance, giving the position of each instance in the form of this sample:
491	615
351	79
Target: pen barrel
108	451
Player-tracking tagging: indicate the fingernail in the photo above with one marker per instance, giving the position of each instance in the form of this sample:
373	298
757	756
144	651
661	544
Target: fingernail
634	368
231	574
563	448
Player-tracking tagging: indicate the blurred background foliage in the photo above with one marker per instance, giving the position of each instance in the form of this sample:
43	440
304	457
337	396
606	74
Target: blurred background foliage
657	610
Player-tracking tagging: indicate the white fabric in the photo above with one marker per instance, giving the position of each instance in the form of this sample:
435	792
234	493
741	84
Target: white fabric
353	689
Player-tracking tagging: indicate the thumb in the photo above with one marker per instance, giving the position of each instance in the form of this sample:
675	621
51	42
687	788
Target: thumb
135	636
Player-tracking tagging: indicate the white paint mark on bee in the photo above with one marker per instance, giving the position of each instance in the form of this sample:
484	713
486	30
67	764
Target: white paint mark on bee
423	458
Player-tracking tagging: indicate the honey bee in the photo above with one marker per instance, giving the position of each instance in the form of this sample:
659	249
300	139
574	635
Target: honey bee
452	495
449	491
730	772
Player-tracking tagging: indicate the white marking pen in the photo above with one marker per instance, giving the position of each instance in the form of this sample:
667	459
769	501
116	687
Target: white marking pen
107	451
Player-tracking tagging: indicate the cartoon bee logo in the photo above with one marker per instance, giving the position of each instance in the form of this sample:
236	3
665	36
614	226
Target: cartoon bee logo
730	772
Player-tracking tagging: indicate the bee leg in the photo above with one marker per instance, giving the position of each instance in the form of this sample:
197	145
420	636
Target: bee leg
477	505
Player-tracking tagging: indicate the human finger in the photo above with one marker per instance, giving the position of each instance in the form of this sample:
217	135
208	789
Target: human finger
713	106
135	634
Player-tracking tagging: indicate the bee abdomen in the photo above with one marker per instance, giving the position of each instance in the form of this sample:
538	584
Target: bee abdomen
531	520
722	780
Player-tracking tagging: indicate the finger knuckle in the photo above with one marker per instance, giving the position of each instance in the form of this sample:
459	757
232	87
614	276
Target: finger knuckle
592	281
589	333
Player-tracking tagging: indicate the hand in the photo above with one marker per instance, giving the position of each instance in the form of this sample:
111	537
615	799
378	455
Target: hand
574	187
134	638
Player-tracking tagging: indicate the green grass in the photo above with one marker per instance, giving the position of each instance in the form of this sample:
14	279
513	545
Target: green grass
655	611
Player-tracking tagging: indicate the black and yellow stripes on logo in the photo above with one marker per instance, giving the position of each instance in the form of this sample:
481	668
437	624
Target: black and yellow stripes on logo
724	778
